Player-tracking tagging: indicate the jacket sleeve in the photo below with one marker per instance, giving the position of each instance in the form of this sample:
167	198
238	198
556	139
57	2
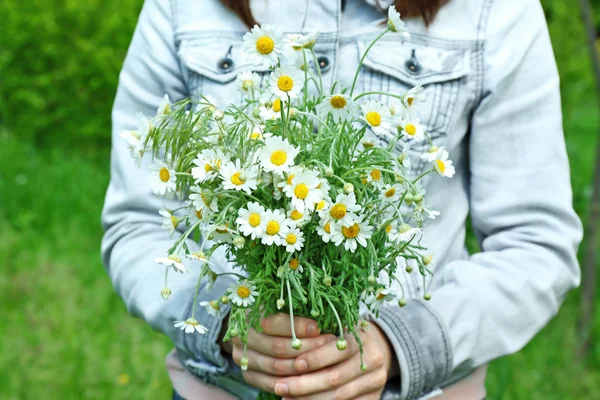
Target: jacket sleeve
494	302
133	234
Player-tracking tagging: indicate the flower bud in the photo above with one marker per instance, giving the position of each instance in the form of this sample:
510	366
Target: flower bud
427	259
364	325
402	302
234	332
418	198
408	198
224	299
280	304
280	271
341	344
363	367
329	171
327	280
244	364
314	313
296	344
239	242
348	188
218	115
427	296
165	293
372	280
268	104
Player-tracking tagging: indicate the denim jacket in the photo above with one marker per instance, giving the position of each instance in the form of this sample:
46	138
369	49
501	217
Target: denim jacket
493	102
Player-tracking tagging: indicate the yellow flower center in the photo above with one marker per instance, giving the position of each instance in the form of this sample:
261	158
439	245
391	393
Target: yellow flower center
278	157
207	168
441	166
368	145
410	129
327	227
205	197
289	179
373	118
338	102
338	211
351	232
296	215
174	221
390	192
254	220
376	175
291	239
199	214
214	304
380	296
285	83
272	228
247	84
294	263
237	179
277	105
255	136
222	229
164	175
410	101
388	228
243	292
321	205
301	191
265	45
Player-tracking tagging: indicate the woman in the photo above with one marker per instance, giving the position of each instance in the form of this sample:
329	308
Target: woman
492	101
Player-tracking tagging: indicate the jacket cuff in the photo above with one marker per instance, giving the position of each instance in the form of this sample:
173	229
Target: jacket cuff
206	358
422	345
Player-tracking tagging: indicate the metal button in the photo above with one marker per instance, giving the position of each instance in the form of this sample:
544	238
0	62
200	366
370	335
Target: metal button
324	63
225	65
412	65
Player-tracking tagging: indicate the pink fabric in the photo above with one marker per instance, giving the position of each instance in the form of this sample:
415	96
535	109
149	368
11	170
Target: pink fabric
192	388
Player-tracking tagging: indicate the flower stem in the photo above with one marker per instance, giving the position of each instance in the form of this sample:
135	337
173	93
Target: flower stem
337	317
287	281
379	93
196	294
363	59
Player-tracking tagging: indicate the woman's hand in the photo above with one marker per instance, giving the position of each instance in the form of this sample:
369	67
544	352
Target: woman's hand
328	373
270	353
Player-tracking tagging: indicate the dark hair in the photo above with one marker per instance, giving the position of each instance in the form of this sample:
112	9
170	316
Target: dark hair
426	9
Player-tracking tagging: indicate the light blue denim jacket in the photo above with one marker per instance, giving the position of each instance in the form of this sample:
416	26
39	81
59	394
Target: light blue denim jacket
492	100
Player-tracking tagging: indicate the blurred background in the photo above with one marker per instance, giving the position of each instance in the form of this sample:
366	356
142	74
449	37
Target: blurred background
63	332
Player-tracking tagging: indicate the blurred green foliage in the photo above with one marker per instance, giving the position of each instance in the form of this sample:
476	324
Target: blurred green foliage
64	334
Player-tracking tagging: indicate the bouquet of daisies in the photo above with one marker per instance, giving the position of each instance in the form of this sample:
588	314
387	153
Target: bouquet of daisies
309	212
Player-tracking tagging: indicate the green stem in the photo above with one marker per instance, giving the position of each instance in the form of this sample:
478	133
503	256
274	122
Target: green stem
337	317
196	294
363	59
287	281
379	93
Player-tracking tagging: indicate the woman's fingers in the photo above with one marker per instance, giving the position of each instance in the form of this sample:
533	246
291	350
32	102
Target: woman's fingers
261	363
368	385
327	355
281	347
279	325
260	380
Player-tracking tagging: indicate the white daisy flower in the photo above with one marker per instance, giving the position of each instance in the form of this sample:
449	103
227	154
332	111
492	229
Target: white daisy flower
170	221
242	294
165	107
413	99
396	24
407	232
172	260
251	221
442	165
221	233
375	300
431	154
297	218
392	231
340	106
277	155
392	192
324	230
257	132
431	214
263	45
204	201
208	162
273	111
275	224
212	307
295	265
352	236
198	256
287	82
248	81
190	325
293	239
374	176
238	178
162	178
377	116
413	129
135	139
295	43
342	211
304	190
